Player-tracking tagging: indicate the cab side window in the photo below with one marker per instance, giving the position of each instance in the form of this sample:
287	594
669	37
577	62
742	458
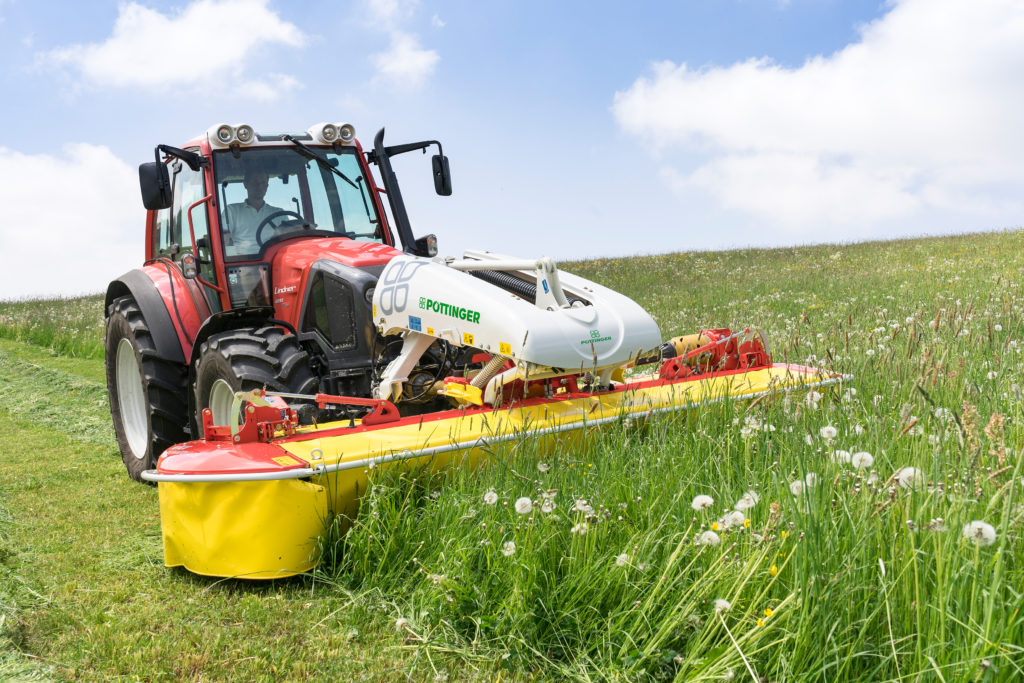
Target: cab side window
189	187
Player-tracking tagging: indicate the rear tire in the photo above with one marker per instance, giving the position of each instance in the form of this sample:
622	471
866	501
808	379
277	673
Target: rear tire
245	359
147	393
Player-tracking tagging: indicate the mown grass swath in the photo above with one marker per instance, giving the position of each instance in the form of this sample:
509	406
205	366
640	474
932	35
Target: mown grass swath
868	533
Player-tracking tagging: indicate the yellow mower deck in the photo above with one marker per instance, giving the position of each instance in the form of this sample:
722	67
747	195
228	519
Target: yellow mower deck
218	524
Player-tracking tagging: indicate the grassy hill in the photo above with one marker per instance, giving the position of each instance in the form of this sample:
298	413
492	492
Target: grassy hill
842	564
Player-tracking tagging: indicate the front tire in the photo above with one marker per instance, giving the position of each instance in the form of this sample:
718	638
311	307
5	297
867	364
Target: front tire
246	359
146	393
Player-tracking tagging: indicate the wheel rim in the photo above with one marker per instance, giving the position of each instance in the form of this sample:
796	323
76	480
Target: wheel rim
131	399
222	395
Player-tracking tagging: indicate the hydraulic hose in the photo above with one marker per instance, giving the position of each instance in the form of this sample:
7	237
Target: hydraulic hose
521	288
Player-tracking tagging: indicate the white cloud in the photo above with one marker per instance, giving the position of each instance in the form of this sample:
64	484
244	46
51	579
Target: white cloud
72	222
204	45
921	114
405	64
437	22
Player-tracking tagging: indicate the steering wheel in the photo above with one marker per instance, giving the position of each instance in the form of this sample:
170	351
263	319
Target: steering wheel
266	221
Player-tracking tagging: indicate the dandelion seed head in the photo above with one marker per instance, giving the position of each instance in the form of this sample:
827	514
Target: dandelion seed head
508	549
722	605
748	501
796	487
524	505
582	506
910	477
621	560
708	538
490	498
580	528
548	506
734	518
543	467
862	460
841	457
980	532
811	479
702	502
828	432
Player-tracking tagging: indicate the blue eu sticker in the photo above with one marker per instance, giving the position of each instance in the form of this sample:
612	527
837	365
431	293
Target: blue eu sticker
414	323
545	283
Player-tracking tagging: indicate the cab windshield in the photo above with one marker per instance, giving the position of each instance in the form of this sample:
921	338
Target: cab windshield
269	194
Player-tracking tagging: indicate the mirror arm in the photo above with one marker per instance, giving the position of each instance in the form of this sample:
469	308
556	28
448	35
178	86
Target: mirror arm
373	157
194	161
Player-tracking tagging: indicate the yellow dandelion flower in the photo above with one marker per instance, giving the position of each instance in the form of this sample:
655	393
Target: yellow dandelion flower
784	534
714	526
746	523
769	612
773	570
760	623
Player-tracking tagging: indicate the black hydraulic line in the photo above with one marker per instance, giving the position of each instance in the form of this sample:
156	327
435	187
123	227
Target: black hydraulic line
517	286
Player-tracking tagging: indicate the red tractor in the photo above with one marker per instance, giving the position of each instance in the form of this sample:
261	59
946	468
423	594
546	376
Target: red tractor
262	254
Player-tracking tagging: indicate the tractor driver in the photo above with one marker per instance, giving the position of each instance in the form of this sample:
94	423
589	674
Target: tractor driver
244	218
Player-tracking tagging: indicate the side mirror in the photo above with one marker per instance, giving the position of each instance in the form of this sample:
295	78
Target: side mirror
156	186
442	175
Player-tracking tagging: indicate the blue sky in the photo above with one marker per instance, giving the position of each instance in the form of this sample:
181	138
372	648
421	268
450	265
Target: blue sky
573	129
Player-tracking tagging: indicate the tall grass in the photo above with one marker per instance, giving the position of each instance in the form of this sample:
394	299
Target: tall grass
70	327
842	570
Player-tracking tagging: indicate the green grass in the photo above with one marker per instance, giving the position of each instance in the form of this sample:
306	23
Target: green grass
861	579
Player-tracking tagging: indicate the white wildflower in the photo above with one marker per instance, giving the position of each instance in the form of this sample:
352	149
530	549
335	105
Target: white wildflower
873	478
910	477
401	624
812	398
997	327
524	505
980	532
862	460
543	467
621	560
548	506
811	479
508	549
722	605
841	457
808	439
490	498
549	494
992	374
796	487
708	538
580	528
828	432
702	502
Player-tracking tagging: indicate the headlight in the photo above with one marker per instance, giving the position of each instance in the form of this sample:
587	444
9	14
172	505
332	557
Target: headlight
329	133
369	294
225	134
347	132
244	133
